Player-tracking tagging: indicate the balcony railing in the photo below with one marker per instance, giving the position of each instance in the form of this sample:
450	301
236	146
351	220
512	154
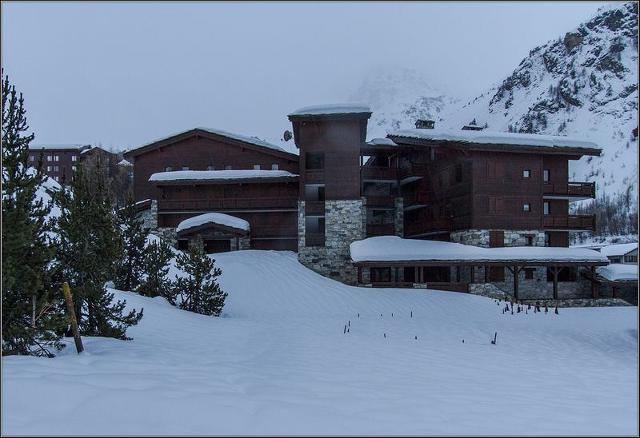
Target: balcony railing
380	201
582	189
227	204
571	222
380	230
379	173
412	170
314	239
315	208
415	198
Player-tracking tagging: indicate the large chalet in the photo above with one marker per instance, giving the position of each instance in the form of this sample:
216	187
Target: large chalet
466	188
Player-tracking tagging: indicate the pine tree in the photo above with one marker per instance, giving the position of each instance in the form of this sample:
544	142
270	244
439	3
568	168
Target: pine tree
31	308
130	267
155	265
199	290
89	249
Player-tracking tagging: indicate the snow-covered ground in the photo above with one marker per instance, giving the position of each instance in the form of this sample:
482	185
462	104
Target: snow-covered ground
278	362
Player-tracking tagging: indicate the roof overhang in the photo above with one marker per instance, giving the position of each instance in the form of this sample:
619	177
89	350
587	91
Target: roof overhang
219	181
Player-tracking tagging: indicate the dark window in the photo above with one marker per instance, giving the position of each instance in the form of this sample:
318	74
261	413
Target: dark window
529	240
458	173
631	259
526	173
566	274
183	244
546	175
410	274
380	275
496	273
314	160
380	216
437	274
528	273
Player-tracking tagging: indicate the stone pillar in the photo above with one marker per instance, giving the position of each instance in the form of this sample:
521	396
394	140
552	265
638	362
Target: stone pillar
399	217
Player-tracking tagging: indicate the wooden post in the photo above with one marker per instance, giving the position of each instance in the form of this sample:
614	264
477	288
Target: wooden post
359	274
486	274
473	274
554	272
72	316
515	281
594	290
397	276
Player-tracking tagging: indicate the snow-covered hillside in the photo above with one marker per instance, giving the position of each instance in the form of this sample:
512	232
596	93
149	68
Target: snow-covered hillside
398	97
584	84
278	362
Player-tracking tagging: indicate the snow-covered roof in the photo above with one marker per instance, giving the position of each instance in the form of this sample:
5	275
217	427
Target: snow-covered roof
382	141
124	162
208	175
489	137
48	146
332	109
213	218
243	138
619	249
396	249
618	272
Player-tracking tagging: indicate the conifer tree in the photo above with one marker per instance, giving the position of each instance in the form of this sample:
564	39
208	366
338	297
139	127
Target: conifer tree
130	267
89	249
199	290
31	309
157	255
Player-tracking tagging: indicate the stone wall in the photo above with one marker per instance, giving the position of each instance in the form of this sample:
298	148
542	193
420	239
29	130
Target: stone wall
150	216
343	225
511	237
167	233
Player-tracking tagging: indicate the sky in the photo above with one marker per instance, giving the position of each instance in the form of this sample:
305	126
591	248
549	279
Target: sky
123	74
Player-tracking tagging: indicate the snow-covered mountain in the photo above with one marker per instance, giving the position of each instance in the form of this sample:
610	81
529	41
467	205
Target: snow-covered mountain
398	97
584	85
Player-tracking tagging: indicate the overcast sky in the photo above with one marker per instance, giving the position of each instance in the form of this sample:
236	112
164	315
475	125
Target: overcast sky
123	74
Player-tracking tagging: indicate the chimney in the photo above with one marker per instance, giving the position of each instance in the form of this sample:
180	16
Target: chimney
425	124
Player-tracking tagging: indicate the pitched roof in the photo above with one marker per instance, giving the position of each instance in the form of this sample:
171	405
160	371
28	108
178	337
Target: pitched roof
517	142
254	142
619	249
222	219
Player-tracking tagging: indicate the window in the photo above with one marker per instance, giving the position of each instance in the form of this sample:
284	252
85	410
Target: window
528	240
546	175
526	173
314	161
566	274
228	167
528	273
49	157
526	207
313	192
275	167
183	244
458	173
56	168
432	153
546	208
185	167
32	158
380	275
631	259
56	178
48	168
74	168
256	167
56	158
380	217
168	169
74	158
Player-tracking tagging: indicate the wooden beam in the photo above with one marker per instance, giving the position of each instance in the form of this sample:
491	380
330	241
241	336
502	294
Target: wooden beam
594	287
554	272
359	274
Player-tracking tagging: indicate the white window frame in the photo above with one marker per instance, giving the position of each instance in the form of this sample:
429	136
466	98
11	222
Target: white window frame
275	167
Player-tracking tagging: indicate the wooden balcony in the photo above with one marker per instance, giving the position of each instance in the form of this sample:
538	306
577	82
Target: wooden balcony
314	239
314	208
227	204
381	201
427	226
415	198
585	222
374	173
571	189
413	170
380	230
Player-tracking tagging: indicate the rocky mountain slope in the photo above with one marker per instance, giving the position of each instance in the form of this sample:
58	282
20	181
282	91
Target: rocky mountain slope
585	85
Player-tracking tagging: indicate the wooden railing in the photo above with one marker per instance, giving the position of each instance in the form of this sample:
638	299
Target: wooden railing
571	222
380	230
227	203
586	189
380	201
379	173
412	170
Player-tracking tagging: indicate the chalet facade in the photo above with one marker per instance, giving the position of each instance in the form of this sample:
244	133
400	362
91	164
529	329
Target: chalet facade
59	161
469	187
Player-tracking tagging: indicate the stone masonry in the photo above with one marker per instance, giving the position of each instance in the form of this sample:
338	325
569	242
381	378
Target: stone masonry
511	237
343	225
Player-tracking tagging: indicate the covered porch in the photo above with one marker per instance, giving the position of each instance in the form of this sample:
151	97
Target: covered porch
219	232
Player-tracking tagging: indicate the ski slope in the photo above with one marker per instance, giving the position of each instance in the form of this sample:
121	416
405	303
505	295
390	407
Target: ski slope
278	362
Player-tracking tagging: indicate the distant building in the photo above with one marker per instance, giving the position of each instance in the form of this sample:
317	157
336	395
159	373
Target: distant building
624	253
425	124
59	161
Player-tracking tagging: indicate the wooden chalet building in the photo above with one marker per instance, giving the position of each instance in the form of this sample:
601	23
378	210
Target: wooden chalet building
470	187
58	161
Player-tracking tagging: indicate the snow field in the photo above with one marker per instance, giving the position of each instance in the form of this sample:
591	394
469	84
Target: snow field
277	362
